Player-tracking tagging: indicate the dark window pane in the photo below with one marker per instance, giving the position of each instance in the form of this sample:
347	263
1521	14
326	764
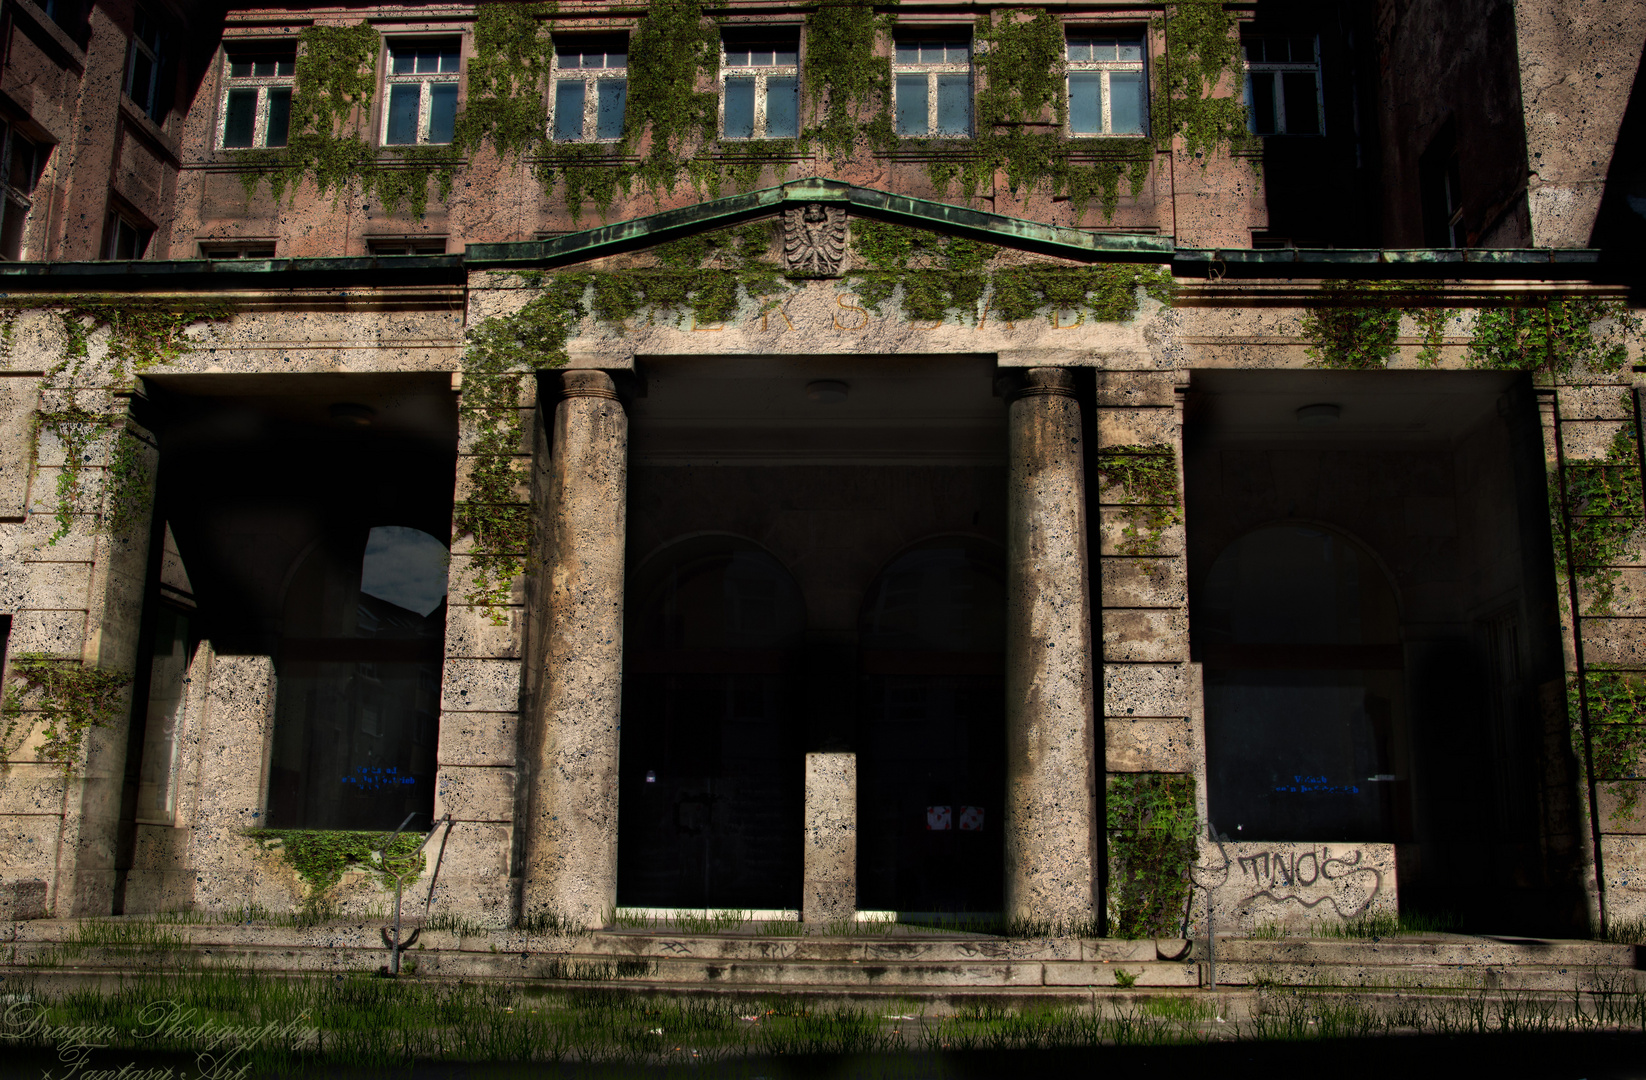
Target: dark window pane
568	110
11	229
610	97
740	108
140	84
782	107
25	165
428	63
287	66
1262	104
442	112
403	101
1080	49
240	118
1130	51
1126	102
1103	49
279	117
1303	50
786	54
1085	102
449	61
954	104
911	105
617	59
568	58
260	253
263	69
908	52
403	63
1302	103
239	69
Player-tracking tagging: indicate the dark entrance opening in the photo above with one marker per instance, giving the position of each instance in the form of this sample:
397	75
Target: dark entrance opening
931	789
1371	591
313	515
710	782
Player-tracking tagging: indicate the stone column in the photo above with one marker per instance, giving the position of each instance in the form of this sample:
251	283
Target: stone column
1050	797
830	880
571	739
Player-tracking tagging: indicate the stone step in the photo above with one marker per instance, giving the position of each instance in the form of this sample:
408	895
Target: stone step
1496	952
1550	978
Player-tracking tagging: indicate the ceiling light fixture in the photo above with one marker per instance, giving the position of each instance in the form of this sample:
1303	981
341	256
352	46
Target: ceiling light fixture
348	414
1319	415
827	391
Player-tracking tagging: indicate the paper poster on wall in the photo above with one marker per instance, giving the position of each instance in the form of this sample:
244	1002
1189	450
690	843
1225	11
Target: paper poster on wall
971	819
938	818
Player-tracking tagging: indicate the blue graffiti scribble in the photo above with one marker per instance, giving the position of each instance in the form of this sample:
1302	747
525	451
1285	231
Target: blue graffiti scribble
1316	785
377	778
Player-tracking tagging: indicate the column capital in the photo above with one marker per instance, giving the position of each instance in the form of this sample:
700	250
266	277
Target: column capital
587	383
1036	382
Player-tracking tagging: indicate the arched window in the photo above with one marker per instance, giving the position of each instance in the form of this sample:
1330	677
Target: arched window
358	700
1305	690
712	744
931	741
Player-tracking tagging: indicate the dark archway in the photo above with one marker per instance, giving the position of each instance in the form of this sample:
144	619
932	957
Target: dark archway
712	733
931	733
1306	730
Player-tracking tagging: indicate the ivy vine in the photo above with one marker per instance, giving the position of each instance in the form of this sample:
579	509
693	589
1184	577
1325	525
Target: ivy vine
1617	731
1143	479
848	87
1202	48
68	698
321	856
937	275
1152	828
1605	510
1554	336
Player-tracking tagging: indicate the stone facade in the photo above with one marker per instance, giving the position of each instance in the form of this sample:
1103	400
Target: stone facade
1096	466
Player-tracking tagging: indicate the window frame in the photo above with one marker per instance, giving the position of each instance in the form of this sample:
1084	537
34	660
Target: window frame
12	195
222	250
1105	68
375	246
932	71
142	233
425	80
262	84
144	26
762	74
1279	69
590	78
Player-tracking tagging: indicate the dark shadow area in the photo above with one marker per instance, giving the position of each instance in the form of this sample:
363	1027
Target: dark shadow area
1620	225
311	522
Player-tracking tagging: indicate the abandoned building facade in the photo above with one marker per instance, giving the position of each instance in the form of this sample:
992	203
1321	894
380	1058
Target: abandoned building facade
1095	466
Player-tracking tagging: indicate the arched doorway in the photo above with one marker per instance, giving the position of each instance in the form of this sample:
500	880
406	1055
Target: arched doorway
711	747
1306	720
931	737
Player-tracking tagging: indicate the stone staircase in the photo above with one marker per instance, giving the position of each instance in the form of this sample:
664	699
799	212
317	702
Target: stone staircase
915	970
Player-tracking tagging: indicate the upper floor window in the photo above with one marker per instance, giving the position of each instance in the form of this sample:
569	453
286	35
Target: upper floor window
20	161
257	100
1106	85
762	86
127	239
933	88
144	65
1283	85
591	89
243	249
69	15
402	245
422	92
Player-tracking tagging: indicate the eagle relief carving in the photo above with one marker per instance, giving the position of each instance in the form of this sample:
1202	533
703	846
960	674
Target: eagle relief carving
814	240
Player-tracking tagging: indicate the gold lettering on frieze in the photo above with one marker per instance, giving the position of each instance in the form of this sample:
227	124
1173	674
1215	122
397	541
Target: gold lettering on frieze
1059	324
841	301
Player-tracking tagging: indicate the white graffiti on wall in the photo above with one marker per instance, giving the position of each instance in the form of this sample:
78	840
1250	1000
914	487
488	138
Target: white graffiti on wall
1341	879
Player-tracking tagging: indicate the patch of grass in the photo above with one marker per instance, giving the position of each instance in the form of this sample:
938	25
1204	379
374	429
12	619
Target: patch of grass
1270	931
1371	926
1186	1010
453	923
1625	931
552	922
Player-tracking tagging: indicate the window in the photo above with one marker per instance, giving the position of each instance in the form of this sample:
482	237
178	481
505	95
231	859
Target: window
422	93
404	246
591	89
256	100
933	86
20	161
761	98
1283	85
1440	186
70	15
144	66
1106	87
127	240
244	249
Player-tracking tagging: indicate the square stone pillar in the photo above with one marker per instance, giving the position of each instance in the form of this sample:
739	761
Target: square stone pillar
829	893
1050	741
570	739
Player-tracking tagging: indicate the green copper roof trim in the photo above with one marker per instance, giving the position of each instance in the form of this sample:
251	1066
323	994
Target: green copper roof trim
867	202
